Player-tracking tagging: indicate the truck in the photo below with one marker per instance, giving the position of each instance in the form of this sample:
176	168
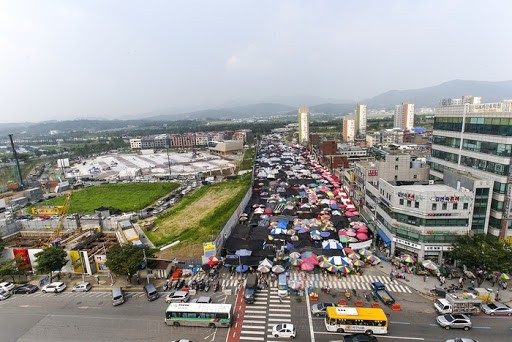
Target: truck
458	303
250	289
380	291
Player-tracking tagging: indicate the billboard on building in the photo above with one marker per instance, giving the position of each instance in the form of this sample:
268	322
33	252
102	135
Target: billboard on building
100	263
209	249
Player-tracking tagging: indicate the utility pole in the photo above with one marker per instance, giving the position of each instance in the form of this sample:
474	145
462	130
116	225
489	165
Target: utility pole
167	143
146	263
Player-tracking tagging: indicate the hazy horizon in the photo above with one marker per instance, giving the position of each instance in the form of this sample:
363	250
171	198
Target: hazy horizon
64	60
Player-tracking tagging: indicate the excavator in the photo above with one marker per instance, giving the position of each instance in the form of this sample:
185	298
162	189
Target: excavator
58	231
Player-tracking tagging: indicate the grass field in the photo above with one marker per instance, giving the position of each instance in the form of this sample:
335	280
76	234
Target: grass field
198	218
125	197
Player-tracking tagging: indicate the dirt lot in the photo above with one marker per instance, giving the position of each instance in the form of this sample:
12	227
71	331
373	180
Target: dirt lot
189	219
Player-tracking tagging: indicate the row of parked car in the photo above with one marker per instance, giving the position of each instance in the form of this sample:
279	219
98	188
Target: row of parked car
7	289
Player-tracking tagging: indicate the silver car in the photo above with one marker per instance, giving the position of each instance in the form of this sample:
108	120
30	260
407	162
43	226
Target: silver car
4	294
461	339
497	308
454	321
320	309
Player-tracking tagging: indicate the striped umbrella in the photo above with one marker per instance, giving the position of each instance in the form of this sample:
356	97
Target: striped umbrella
308	254
345	269
295	255
358	263
296	262
344	238
278	269
408	259
333	268
504	276
263	268
322	258
353	256
365	252
324	264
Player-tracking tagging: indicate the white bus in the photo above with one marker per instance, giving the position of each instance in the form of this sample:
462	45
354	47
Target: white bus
356	320
199	314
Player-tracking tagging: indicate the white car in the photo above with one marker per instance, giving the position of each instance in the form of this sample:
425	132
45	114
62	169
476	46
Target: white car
284	330
6	286
4	294
177	297
461	339
82	287
54	287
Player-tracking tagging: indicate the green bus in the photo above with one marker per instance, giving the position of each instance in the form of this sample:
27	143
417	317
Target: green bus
199	314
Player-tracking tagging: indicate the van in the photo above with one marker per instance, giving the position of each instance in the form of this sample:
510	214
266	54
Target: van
151	292
282	285
250	288
117	296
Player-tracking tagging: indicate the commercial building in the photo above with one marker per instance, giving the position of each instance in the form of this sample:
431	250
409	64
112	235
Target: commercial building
349	128
361	118
226	147
476	138
303	125
404	116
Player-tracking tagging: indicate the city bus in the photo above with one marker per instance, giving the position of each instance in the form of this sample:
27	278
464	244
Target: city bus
199	314
358	320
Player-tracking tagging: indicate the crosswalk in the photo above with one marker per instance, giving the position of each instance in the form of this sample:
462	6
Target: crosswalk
362	282
259	318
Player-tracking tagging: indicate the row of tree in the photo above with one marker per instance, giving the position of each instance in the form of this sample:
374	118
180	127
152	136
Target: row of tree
121	260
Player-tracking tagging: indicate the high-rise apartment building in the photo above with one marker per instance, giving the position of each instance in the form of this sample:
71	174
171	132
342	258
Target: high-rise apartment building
349	128
404	116
360	119
476	138
303	125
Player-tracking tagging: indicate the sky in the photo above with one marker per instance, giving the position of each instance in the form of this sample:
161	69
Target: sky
62	60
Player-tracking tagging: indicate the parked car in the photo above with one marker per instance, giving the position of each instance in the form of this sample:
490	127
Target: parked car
284	330
55	287
202	300
83	286
497	308
177	297
6	286
25	288
454	321
4	294
461	339
320	308
359	338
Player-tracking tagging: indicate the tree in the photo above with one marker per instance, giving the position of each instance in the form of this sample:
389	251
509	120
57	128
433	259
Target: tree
50	259
9	268
483	252
127	259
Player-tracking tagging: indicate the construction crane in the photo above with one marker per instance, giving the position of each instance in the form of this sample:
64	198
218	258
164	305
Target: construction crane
58	231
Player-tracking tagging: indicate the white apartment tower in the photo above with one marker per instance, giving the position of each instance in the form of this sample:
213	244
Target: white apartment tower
360	119
303	125
349	128
404	116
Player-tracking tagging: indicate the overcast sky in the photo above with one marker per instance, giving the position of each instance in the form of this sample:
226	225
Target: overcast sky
112	59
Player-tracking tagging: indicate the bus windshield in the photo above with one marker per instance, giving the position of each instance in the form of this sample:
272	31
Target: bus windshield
359	320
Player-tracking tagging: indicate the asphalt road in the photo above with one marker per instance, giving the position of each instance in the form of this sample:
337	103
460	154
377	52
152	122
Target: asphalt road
91	317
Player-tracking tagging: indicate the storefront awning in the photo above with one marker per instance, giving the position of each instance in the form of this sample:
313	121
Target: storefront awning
384	237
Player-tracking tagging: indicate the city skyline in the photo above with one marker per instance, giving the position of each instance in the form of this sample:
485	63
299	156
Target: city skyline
114	59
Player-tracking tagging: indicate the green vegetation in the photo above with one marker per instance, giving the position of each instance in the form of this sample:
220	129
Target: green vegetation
124	197
201	214
248	160
483	252
127	259
50	259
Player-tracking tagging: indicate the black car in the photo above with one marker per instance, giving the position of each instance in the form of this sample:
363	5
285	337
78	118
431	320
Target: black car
24	289
360	338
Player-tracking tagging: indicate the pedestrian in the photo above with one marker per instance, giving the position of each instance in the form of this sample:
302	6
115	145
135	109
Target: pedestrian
425	278
391	274
472	283
498	294
58	276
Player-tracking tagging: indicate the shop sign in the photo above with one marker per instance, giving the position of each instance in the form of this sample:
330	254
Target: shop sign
209	249
406	243
409	197
450	199
373	172
438	248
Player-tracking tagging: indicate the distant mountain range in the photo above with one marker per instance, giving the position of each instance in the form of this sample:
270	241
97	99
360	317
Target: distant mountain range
286	106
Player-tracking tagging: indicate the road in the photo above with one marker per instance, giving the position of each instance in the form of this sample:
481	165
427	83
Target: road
91	317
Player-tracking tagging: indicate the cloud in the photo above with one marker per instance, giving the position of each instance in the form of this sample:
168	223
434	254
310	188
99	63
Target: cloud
232	62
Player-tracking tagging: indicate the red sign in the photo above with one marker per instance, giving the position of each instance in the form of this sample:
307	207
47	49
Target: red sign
373	172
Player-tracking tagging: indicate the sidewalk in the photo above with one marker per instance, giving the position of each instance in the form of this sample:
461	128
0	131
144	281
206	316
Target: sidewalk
104	284
423	286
